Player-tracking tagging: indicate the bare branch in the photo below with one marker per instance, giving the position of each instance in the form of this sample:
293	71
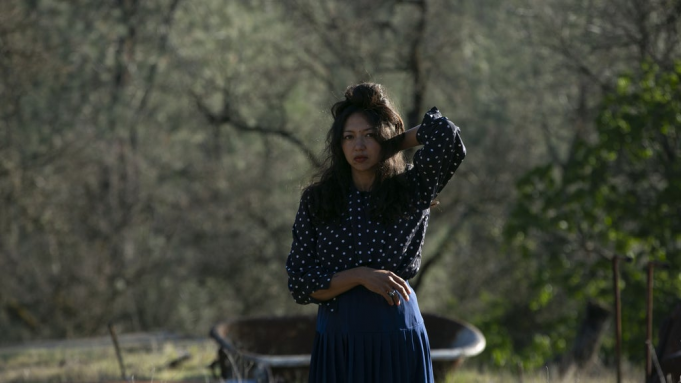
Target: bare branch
416	65
227	116
162	46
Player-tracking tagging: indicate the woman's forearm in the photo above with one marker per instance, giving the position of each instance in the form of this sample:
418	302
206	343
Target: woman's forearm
381	282
409	141
340	283
400	142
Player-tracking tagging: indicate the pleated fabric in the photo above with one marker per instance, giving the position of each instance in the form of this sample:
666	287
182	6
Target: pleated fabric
364	339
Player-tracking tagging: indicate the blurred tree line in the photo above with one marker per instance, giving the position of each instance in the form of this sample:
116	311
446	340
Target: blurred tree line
152	155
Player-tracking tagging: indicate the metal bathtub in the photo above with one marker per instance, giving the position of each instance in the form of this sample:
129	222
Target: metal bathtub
277	349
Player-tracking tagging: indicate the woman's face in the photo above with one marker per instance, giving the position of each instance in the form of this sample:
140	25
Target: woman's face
360	145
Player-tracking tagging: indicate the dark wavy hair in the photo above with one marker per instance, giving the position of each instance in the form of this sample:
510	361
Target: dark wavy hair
390	192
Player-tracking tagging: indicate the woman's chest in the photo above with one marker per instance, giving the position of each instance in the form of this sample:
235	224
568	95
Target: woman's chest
357	240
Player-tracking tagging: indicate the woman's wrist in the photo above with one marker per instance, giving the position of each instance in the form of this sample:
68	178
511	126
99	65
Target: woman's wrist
392	146
357	275
400	142
409	138
341	282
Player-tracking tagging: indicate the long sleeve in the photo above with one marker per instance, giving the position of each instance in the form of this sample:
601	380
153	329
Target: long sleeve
305	273
442	153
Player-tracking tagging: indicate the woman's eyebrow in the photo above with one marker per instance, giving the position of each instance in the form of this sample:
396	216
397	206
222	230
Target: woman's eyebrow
361	131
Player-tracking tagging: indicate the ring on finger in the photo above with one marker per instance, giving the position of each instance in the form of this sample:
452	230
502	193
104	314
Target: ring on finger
392	293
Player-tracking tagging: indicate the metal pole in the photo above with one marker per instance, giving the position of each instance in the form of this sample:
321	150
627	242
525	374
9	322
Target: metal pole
118	350
649	315
618	318
649	319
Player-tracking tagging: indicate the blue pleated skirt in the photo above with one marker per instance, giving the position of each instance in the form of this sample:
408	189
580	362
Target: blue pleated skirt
363	339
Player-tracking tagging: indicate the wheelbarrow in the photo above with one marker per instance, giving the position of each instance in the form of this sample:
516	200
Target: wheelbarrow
277	349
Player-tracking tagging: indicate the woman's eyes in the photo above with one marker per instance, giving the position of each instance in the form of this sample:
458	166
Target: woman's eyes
350	137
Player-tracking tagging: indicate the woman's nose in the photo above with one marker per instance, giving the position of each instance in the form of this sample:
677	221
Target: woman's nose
359	143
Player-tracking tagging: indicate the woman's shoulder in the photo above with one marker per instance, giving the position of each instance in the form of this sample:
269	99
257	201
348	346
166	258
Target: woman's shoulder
311	191
307	195
314	195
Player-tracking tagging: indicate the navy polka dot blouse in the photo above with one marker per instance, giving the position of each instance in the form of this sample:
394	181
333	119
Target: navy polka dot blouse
320	251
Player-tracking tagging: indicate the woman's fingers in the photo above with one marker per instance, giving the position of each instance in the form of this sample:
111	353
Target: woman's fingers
391	294
389	298
395	298
387	284
401	286
403	291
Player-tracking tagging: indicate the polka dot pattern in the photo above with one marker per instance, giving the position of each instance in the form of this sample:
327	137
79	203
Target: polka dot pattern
320	251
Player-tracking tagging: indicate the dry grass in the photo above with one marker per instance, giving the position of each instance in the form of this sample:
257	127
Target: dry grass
101	365
466	375
150	363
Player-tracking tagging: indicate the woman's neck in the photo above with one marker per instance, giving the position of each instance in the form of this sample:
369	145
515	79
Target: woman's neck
363	181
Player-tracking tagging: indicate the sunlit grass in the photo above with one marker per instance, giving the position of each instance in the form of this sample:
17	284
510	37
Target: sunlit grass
468	374
150	363
100	364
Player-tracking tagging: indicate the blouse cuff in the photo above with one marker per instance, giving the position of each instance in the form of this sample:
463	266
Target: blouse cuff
423	134
322	282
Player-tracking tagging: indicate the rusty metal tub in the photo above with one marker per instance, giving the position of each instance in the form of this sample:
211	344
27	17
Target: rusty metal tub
277	349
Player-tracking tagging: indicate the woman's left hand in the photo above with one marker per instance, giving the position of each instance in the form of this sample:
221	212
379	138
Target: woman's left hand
385	283
382	282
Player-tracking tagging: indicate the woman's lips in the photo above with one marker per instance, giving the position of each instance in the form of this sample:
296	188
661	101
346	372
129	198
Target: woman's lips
360	158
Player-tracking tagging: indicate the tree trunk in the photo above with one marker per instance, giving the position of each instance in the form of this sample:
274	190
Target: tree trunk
588	341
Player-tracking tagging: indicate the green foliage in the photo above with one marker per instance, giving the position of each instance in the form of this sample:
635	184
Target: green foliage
123	200
617	194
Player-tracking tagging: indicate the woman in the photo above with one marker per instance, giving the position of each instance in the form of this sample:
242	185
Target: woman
358	236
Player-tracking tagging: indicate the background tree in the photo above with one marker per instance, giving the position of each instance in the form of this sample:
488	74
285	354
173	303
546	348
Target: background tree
152	153
614	196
